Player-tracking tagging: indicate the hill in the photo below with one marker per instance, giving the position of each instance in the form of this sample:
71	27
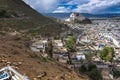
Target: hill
15	52
16	15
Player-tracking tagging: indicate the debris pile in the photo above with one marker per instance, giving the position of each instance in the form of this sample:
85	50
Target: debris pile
8	73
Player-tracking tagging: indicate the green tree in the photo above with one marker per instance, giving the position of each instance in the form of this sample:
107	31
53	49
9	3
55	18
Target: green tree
4	14
89	56
91	67
107	54
92	71
116	73
83	68
71	43
95	74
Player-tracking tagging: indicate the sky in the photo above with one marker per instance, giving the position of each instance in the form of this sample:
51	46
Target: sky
81	6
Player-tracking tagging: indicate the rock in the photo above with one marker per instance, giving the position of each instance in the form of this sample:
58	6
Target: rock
8	63
20	63
15	64
34	78
62	78
42	75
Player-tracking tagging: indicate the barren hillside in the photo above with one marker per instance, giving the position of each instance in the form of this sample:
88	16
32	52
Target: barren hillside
14	51
16	15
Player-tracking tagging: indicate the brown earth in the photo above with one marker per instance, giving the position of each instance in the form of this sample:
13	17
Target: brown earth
14	51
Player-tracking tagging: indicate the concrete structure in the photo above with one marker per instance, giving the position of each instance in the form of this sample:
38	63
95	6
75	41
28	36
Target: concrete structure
116	42
57	43
60	52
80	57
76	16
39	46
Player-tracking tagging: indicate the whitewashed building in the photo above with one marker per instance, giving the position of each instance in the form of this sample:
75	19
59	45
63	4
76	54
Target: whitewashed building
39	46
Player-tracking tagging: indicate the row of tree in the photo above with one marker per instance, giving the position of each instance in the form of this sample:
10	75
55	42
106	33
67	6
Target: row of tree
92	71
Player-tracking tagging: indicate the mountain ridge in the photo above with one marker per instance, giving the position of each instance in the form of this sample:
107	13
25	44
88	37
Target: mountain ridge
23	17
87	15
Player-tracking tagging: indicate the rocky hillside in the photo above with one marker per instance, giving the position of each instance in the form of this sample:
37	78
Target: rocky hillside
14	51
16	15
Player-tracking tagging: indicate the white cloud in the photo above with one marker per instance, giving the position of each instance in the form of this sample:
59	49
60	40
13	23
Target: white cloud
43	5
83	6
96	5
77	2
62	9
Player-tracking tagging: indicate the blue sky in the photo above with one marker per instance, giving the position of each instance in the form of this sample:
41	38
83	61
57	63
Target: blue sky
81	6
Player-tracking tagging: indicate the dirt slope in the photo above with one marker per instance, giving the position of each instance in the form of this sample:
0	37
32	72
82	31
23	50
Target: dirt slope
14	51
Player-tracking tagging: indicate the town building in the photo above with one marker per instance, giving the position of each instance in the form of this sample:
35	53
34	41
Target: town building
39	46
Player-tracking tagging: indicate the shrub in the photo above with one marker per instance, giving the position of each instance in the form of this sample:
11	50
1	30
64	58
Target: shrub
91	67
107	54
83	68
4	14
95	74
2	33
116	73
17	38
71	43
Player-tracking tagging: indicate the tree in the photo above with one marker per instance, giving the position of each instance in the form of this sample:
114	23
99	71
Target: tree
95	74
92	71
116	73
91	67
83	68
50	49
89	56
4	14
107	54
71	43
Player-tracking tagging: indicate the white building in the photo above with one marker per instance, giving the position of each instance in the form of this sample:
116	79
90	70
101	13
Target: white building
116	42
57	43
39	46
80	56
76	16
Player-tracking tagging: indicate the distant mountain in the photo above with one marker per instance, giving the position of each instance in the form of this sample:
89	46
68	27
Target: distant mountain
66	15
57	15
